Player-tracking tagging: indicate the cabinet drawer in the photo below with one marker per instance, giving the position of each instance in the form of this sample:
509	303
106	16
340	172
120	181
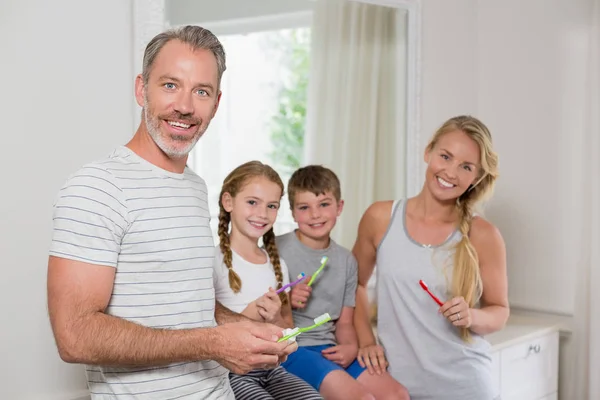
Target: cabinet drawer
529	370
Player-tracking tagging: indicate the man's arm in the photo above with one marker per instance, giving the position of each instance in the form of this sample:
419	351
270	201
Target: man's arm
78	294
224	315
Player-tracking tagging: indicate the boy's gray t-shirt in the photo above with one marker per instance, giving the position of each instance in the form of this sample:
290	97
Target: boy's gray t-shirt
333	289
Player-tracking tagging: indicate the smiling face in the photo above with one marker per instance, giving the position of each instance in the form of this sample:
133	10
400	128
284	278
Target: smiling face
180	98
316	215
453	164
254	208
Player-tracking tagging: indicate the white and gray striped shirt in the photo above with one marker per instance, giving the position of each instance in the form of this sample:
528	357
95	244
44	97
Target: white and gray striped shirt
153	227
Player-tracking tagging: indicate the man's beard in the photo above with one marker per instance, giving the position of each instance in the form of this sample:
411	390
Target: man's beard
169	145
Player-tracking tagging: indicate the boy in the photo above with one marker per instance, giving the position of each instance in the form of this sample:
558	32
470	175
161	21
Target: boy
326	357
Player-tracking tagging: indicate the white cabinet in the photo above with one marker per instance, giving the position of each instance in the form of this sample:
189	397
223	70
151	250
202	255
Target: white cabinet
525	356
525	360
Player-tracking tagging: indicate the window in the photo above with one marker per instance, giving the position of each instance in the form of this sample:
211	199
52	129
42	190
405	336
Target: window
262	111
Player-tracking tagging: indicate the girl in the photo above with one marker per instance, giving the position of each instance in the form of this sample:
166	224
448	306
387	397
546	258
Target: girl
437	352
245	274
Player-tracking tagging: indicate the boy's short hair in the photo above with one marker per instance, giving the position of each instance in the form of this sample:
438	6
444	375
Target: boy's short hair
315	179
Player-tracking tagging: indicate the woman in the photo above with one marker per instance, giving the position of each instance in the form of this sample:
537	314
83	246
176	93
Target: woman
436	352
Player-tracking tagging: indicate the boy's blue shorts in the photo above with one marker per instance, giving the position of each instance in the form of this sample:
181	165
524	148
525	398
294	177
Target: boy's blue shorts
309	364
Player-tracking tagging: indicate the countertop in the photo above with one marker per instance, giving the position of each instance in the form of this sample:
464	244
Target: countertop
523	325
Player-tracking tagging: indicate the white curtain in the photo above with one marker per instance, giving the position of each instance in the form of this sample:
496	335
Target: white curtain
586	379
355	118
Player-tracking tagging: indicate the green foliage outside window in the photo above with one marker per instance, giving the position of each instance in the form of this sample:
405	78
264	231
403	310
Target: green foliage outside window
287	124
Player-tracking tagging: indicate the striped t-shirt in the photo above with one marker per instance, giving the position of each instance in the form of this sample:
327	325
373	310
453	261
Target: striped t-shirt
153	227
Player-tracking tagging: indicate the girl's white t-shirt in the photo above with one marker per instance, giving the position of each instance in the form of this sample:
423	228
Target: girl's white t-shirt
256	280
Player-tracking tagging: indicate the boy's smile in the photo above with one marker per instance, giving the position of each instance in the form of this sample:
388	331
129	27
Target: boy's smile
316	215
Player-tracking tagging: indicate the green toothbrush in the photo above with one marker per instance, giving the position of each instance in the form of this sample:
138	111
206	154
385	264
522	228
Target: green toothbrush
323	262
320	320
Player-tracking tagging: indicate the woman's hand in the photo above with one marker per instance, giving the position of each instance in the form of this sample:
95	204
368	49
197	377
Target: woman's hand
457	311
372	358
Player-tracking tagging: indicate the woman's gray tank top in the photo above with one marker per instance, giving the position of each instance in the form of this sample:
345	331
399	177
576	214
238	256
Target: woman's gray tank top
424	350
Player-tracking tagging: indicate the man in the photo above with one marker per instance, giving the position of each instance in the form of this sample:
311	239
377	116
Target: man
130	270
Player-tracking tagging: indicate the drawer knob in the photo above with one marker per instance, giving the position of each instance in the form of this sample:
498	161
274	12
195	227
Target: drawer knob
535	348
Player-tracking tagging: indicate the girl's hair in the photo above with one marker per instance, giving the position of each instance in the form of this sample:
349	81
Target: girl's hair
466	279
233	184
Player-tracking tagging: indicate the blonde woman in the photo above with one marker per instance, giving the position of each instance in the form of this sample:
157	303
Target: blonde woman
436	351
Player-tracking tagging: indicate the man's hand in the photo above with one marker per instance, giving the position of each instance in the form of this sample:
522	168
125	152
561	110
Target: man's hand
269	306
342	354
300	294
244	346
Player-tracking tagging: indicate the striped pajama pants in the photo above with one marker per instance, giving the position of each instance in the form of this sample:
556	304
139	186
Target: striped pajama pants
272	384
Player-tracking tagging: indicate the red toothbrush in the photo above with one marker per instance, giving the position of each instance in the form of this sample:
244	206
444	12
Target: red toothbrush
425	288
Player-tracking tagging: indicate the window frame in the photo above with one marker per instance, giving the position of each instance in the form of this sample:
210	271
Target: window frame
241	26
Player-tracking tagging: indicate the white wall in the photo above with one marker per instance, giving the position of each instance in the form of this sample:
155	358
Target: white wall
181	12
448	62
67	85
531	89
520	67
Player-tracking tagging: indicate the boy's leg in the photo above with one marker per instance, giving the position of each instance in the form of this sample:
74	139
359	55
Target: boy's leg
283	385
339	385
383	386
248	387
328	378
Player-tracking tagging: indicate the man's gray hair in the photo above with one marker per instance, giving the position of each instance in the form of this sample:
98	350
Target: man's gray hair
195	36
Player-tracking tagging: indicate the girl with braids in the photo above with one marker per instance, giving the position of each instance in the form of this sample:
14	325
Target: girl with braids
246	275
436	352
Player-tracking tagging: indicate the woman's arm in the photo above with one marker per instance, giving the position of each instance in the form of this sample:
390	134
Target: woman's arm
365	253
371	229
491	250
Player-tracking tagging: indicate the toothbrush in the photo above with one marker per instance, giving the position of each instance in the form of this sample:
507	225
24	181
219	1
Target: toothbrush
300	277
320	320
323	262
425	288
